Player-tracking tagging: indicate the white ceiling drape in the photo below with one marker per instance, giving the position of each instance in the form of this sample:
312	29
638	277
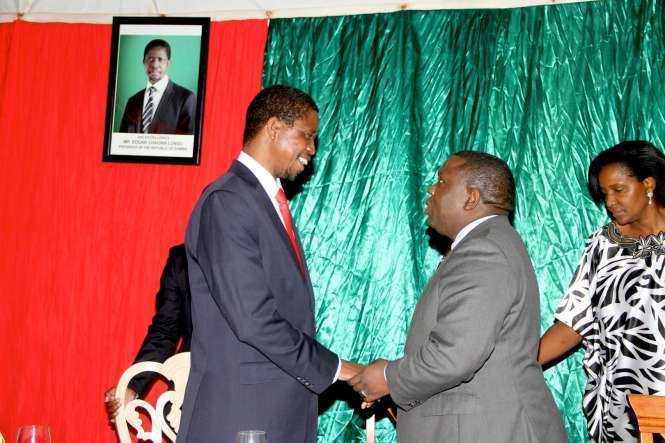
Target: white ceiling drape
102	11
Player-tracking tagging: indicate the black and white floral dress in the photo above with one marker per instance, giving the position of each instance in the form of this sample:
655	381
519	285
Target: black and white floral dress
616	302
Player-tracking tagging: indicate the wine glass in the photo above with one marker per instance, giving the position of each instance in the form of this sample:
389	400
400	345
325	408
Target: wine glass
251	437
33	434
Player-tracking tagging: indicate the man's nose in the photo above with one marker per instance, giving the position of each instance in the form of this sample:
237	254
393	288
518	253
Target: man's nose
311	147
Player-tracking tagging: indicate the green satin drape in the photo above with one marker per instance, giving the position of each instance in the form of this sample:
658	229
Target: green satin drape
544	88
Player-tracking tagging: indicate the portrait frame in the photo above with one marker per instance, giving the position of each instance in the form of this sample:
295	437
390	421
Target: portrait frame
137	131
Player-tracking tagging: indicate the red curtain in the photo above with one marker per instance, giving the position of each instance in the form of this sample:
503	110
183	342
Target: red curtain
84	242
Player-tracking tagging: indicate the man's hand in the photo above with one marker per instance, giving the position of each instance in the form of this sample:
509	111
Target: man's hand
349	370
371	382
113	404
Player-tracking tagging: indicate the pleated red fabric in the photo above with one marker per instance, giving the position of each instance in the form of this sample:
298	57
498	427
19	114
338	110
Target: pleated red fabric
84	242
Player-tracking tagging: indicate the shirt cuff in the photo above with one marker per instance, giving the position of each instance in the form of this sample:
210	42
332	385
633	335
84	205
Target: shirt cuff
339	369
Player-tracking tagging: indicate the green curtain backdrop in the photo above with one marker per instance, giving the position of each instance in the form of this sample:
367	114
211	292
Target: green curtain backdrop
544	88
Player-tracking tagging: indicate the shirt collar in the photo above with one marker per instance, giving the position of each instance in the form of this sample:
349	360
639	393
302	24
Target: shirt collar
269	183
160	85
468	228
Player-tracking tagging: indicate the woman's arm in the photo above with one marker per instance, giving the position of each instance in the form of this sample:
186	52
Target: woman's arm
556	341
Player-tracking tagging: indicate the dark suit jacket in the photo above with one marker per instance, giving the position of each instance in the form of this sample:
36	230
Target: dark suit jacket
255	362
172	319
174	115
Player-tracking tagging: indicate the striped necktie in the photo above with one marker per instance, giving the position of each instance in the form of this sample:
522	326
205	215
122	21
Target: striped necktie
148	111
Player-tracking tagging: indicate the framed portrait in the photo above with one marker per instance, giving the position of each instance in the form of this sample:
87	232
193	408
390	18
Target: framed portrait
154	111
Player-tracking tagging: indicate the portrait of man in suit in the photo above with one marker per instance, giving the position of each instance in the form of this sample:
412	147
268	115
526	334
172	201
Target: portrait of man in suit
163	106
256	364
469	371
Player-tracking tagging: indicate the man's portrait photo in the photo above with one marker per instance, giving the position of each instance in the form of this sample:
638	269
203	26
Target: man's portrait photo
155	90
163	106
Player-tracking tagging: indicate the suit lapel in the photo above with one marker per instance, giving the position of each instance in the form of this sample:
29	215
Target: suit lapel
264	201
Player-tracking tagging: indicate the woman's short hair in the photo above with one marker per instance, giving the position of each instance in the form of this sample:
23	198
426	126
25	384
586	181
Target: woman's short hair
639	158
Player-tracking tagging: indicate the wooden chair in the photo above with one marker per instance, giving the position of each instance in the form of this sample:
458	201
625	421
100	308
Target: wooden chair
650	413
175	370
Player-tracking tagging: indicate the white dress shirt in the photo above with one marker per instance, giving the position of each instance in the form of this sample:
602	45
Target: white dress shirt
160	87
271	185
468	228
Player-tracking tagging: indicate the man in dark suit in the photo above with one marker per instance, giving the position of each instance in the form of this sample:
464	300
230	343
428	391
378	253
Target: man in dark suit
255	361
171	323
163	107
469	373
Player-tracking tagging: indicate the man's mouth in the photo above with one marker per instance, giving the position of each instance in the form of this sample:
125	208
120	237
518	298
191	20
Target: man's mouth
303	161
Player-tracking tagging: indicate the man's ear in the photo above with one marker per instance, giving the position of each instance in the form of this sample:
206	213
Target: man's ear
272	127
472	198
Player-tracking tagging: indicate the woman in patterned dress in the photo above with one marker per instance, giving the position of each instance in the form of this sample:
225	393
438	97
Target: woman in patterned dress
615	305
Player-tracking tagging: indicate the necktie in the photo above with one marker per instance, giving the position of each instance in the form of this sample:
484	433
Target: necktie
288	224
148	111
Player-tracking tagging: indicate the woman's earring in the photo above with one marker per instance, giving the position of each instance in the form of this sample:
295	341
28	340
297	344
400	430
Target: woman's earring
650	196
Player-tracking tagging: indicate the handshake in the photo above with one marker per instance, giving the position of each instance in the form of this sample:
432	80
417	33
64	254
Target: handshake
368	381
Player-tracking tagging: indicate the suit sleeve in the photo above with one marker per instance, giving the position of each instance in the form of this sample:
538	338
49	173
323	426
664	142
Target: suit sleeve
131	117
124	123
187	114
229	255
474	300
168	323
